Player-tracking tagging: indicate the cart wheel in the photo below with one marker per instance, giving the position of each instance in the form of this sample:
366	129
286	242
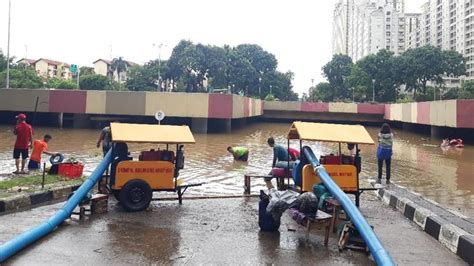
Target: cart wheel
116	194
135	195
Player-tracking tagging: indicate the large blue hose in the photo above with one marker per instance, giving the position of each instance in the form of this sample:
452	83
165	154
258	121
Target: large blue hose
11	247
379	253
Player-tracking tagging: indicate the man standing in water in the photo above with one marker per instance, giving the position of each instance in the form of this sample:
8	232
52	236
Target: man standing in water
106	139
24	140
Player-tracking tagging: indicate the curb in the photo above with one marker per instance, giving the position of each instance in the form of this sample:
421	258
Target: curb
452	237
28	201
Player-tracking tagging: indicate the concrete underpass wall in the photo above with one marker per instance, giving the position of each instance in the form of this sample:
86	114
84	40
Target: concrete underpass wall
80	106
343	112
450	113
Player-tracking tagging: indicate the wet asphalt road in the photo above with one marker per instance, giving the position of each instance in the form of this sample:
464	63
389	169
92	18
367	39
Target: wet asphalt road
212	231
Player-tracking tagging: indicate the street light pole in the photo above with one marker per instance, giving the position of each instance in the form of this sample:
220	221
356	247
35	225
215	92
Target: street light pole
260	87
159	64
8	44
373	90
353	89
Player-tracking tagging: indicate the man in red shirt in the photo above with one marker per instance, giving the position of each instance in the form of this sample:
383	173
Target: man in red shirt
24	139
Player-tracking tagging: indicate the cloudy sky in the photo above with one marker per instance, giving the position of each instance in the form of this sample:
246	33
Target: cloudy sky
297	32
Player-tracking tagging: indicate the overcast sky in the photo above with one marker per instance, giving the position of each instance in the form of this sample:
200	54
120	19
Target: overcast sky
297	32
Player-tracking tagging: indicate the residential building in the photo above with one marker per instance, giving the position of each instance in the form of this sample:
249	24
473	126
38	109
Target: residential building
449	25
47	68
104	67
26	61
363	27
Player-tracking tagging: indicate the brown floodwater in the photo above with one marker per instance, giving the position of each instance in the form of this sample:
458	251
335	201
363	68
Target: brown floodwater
418	163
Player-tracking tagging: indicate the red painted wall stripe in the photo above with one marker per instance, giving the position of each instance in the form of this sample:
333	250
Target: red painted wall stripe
363	108
246	107
464	113
314	107
220	106
423	113
387	112
67	101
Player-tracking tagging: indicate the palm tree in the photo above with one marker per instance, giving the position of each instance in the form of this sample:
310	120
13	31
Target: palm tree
119	65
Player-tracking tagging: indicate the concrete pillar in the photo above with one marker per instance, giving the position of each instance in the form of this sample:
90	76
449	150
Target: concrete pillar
199	125
436	132
238	123
60	120
226	125
80	121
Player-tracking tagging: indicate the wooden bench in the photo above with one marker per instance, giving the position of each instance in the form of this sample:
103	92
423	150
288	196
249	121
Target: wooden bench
336	210
321	221
248	177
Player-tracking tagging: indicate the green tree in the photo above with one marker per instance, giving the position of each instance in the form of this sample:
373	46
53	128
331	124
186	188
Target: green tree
453	63
426	64
380	68
336	71
467	90
323	91
21	78
94	82
118	65
59	83
3	61
85	70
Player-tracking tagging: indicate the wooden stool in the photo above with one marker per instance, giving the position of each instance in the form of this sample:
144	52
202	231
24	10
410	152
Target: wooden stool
322	220
336	209
99	203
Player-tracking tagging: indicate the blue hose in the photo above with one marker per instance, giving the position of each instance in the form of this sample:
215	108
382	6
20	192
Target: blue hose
11	247
379	253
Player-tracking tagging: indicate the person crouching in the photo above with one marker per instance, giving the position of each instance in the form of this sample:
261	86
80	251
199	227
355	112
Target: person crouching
39	147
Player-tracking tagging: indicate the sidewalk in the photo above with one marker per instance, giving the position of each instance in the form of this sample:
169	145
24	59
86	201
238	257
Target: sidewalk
212	231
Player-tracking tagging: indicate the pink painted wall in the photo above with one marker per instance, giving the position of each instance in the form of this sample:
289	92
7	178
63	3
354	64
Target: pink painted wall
423	113
363	108
387	112
220	106
67	101
314	107
465	112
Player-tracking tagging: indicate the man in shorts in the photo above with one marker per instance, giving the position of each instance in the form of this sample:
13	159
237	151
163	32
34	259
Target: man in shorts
24	139
39	147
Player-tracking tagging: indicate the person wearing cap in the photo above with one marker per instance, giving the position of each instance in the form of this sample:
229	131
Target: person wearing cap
24	140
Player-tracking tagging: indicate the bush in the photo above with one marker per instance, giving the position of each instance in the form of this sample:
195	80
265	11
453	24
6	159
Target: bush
21	78
94	82
57	83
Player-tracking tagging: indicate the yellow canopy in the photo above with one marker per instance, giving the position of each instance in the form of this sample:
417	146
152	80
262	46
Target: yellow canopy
356	134
144	133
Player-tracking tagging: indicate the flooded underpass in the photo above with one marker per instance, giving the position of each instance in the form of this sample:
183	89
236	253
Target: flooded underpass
225	231
418	163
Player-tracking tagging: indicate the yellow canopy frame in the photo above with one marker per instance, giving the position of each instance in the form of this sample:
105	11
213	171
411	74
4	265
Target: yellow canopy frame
355	134
146	133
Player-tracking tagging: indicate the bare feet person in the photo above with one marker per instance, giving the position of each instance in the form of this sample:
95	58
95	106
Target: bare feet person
24	139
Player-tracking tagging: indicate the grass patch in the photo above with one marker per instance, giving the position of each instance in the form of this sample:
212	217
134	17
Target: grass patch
34	181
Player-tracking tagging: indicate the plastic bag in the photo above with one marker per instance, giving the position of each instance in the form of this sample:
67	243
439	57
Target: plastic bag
307	203
280	201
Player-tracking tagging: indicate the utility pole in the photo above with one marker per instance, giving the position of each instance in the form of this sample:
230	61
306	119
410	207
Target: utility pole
8	44
373	90
159	63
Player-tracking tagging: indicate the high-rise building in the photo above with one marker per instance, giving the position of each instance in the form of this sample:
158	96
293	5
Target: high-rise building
447	24
363	27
